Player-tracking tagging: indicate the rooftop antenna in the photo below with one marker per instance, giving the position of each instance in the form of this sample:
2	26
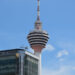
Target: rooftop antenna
25	48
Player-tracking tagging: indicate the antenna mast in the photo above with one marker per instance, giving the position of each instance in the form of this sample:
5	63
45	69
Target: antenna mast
38	10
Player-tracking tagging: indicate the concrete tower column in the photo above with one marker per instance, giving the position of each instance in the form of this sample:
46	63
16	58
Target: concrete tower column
38	54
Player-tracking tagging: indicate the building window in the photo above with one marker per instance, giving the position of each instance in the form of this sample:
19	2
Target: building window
30	66
8	65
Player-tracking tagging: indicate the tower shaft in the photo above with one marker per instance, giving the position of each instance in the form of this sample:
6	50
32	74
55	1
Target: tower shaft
38	54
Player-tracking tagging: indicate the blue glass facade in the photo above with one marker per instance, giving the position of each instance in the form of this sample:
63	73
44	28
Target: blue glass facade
30	66
11	63
8	65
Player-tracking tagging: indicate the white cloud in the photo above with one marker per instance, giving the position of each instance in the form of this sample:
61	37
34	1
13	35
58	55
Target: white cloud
61	59
73	68
62	53
67	45
49	47
63	70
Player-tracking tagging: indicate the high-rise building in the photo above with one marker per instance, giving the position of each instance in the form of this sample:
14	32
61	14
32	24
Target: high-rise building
38	38
18	62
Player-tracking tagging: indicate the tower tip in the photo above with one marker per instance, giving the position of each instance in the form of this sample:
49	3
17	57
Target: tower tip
38	9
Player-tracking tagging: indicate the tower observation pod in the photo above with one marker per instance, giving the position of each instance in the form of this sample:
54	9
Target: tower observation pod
38	38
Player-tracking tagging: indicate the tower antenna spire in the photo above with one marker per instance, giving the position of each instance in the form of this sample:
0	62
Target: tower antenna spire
38	9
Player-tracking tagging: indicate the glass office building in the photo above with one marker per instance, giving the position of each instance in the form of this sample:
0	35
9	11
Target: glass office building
18	62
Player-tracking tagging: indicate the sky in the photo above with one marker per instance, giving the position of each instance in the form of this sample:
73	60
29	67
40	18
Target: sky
17	18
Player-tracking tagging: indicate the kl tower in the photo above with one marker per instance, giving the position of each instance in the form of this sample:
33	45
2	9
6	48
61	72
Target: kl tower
38	38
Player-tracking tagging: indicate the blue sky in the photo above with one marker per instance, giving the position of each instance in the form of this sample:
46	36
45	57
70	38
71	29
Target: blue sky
17	19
